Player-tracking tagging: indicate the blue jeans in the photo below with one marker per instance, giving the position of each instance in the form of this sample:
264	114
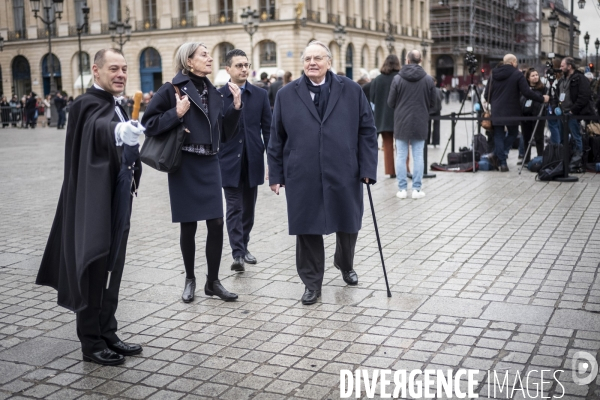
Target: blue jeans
554	128
401	155
575	129
503	142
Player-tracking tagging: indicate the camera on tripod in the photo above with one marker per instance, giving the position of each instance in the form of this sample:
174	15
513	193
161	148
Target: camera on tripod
471	61
550	71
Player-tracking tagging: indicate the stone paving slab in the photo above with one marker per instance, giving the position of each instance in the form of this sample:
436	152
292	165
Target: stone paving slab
490	271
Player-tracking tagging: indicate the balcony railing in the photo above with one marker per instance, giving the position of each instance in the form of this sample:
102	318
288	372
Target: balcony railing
46	31
17	35
333	19
380	27
183	22
268	14
351	22
314	16
147	24
104	28
73	30
366	24
225	17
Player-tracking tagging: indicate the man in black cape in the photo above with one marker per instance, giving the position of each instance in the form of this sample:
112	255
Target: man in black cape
76	259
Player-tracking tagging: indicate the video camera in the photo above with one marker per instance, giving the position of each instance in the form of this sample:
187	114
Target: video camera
471	61
550	71
551	76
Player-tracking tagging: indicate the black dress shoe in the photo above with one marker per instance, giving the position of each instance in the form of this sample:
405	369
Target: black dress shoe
349	277
189	290
216	289
249	258
238	264
310	296
504	168
126	349
104	357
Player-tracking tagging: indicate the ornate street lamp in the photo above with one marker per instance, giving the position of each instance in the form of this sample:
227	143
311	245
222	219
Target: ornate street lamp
389	41
339	34
57	5
250	21
597	44
120	29
586	40
86	12
553	21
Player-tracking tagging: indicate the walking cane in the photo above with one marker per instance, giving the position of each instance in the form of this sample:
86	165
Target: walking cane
389	294
532	138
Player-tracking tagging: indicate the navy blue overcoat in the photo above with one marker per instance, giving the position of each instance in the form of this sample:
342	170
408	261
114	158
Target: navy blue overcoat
321	162
254	122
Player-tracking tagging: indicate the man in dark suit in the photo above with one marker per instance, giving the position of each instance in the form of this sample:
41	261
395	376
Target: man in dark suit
242	158
275	86
77	258
323	145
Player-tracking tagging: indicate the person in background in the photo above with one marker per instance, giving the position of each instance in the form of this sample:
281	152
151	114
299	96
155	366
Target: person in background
287	77
60	103
15	110
532	108
275	86
31	110
411	96
434	126
384	114
5	112
264	81
48	109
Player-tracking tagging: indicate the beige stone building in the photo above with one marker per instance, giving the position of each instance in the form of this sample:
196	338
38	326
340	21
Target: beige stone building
160	26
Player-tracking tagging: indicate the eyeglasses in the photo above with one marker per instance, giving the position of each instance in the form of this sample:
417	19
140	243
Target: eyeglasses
240	65
317	59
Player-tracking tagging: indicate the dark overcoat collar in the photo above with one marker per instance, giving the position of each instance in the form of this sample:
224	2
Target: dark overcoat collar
337	85
186	86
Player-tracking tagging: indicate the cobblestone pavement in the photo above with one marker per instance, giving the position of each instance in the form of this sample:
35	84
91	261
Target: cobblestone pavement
490	271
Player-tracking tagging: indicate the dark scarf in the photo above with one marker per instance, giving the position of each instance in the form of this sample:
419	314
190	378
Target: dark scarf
321	93
201	84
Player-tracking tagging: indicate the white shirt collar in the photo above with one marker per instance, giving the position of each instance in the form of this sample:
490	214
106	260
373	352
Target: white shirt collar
117	99
319	84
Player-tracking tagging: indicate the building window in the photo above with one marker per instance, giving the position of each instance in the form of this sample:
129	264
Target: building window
224	48
267	10
268	54
79	19
226	11
186	8
422	15
150	10
114	10
19	15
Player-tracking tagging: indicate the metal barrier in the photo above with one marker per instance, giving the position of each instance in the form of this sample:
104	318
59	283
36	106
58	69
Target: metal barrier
12	116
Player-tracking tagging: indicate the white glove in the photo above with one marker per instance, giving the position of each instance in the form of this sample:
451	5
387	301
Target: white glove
128	133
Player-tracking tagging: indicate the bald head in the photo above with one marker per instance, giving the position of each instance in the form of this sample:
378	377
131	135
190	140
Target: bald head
510	59
414	57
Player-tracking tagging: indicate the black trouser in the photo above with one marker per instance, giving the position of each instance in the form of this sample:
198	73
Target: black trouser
310	256
538	136
241	202
61	118
96	324
434	130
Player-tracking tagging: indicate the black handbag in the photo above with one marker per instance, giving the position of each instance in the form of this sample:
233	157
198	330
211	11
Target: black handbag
163	152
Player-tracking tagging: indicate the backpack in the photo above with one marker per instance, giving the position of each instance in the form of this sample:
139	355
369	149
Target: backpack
552	163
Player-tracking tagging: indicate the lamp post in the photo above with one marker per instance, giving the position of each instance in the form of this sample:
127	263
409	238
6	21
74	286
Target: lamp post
581	4
389	39
553	21
250	21
339	34
86	11
57	5
586	40
120	29
597	44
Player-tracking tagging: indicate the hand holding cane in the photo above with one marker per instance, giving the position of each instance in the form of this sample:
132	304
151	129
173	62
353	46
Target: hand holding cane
389	294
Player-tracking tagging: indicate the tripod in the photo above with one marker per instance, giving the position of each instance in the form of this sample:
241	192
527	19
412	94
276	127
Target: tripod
471	89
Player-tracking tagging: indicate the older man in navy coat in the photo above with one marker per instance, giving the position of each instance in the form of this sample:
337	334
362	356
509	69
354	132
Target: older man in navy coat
323	144
242	158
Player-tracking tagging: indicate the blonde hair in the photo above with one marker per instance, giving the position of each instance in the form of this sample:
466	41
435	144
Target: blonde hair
185	52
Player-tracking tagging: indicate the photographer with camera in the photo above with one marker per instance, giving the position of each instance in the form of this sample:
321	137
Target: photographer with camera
507	84
574	95
533	108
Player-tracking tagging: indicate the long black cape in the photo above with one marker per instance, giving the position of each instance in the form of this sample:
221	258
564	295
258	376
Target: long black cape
81	231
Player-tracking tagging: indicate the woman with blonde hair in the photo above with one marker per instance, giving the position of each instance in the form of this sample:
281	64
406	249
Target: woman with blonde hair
195	189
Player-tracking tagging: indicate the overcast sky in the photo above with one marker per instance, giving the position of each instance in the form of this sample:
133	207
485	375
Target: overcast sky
589	19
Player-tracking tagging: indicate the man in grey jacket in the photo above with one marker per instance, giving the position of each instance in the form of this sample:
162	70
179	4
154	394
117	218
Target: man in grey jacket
411	96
